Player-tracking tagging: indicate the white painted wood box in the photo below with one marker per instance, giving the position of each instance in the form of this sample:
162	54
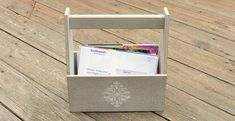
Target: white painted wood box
120	92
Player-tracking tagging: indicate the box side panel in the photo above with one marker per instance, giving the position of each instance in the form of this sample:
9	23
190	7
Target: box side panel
134	93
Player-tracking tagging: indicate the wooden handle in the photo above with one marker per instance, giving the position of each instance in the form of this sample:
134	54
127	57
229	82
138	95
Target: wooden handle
116	21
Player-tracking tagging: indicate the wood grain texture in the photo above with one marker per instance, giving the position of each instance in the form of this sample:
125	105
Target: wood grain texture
54	20
6	115
189	15
20	93
25	29
199	85
201	60
167	113
23	7
26	58
26	101
40	35
195	36
209	42
224	9
146	41
191	109
191	94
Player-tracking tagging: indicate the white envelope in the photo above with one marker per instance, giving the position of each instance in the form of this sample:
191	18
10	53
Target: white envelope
97	61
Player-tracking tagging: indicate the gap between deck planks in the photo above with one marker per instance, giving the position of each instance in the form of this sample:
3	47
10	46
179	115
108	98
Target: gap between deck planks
7	115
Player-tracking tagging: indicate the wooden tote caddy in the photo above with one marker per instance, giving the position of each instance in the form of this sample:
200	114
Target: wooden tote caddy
94	93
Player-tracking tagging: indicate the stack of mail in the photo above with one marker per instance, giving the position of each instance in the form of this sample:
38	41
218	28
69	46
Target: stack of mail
117	59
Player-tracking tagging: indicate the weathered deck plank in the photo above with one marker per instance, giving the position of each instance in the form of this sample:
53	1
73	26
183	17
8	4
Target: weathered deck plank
199	85
23	28
183	115
206	41
218	25
147	38
198	99
19	92
56	22
200	60
191	109
220	7
24	59
24	7
201	39
23	50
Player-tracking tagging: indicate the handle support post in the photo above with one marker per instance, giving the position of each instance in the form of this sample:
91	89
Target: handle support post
164	43
69	43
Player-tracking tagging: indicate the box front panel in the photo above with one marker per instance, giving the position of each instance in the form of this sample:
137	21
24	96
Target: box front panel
128	93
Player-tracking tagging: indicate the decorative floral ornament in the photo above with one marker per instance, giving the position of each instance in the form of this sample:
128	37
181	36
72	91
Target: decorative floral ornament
116	94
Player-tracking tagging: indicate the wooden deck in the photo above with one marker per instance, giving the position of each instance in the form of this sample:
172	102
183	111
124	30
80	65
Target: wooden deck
201	70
